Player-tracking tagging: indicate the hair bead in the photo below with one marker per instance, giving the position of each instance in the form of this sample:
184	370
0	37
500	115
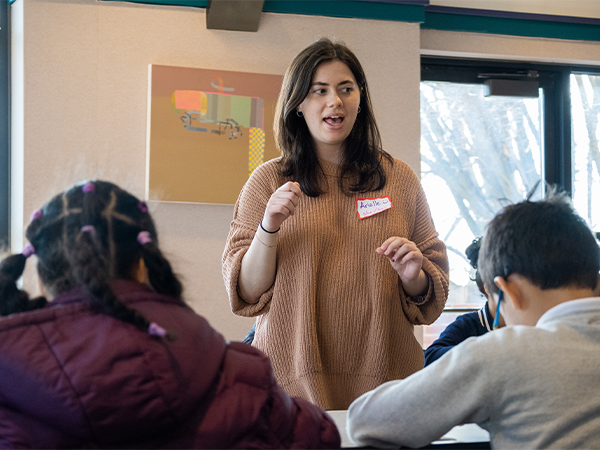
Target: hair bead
28	250
156	330
88	214
144	238
89	229
142	206
88	187
35	215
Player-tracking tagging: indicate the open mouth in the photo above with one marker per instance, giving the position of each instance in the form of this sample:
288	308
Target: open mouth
334	120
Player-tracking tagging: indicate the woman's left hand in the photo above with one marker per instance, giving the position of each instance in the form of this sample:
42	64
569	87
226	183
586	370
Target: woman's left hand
407	260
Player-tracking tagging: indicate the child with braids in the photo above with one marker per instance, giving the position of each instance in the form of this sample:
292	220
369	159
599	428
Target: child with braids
111	356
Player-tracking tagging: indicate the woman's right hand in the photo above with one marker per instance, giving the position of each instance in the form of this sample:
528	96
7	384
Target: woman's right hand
281	205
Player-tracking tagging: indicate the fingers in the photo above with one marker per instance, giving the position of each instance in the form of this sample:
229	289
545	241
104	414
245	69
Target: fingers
396	247
293	187
290	190
404	256
281	205
286	197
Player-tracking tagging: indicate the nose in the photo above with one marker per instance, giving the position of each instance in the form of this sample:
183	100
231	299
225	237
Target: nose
334	99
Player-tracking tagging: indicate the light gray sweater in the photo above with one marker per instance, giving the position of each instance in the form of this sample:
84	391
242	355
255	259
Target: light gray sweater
530	387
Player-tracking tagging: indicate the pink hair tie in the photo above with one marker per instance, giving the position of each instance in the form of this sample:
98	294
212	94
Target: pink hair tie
35	215
143	237
28	250
143	207
89	229
156	330
88	187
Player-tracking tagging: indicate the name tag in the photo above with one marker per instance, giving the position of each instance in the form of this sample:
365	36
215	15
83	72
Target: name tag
367	207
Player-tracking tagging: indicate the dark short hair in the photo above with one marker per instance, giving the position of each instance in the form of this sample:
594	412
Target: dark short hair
472	253
545	241
363	151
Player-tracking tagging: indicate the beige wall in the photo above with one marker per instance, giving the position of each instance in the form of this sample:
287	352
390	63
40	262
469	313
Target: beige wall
80	70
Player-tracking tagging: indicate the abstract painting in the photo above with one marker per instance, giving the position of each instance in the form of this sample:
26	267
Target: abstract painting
208	130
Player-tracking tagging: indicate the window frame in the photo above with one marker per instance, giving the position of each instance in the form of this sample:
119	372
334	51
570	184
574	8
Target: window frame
4	123
553	78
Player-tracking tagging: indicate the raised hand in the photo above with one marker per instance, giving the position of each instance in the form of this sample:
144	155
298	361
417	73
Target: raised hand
406	259
281	205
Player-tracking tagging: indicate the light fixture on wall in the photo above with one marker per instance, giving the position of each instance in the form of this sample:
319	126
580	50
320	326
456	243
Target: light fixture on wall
518	84
236	15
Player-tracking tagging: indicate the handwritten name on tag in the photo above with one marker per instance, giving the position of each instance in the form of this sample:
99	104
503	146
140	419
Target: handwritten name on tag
367	207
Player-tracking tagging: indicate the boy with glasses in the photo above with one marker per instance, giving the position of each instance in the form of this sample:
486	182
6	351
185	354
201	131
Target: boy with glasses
532	384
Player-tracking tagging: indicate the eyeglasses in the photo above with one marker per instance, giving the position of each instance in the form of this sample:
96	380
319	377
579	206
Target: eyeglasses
497	316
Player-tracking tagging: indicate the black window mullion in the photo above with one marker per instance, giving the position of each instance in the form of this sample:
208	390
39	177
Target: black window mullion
4	123
557	129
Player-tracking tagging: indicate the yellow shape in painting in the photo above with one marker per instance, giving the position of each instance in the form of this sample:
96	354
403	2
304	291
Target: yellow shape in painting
174	104
256	149
203	104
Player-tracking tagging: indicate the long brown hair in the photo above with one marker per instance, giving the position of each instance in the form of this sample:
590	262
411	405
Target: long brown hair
363	154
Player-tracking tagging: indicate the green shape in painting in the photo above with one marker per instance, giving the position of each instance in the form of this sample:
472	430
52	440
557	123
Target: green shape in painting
241	109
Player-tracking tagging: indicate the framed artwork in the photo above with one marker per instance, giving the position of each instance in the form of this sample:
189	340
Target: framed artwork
207	131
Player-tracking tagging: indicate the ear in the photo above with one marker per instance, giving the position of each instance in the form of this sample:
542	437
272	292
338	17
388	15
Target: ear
512	292
487	292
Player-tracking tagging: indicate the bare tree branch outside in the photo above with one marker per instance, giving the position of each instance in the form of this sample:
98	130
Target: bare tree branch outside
480	153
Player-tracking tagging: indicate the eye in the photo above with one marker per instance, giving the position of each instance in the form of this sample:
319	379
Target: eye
347	89
319	91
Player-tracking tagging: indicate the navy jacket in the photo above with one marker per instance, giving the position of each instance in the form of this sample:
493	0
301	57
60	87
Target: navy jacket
475	323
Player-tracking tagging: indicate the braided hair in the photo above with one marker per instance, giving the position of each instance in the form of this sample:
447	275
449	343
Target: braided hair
85	237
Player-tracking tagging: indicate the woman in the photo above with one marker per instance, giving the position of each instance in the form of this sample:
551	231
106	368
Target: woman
332	245
116	359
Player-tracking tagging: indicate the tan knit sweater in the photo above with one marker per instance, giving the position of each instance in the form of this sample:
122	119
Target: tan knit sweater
336	322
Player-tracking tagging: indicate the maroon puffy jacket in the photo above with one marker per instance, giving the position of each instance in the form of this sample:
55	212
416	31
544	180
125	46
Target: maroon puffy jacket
70	377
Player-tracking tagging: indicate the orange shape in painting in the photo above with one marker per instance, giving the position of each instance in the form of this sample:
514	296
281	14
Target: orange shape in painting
191	100
219	82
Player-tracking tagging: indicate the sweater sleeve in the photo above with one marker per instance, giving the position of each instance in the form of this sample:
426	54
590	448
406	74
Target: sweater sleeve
435	264
247	214
459	388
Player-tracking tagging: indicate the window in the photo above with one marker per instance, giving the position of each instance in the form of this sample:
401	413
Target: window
585	123
4	123
491	132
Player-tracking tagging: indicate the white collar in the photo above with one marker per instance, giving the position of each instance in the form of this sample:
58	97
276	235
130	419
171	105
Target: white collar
483	317
581	304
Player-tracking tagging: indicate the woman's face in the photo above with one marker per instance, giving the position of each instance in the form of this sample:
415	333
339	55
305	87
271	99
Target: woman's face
331	106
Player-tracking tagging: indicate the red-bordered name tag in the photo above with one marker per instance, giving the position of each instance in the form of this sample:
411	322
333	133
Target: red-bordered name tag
367	207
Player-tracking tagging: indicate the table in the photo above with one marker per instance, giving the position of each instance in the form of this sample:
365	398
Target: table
463	436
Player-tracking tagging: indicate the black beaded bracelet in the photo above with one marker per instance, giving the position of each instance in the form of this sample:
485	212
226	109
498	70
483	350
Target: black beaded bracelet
267	231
